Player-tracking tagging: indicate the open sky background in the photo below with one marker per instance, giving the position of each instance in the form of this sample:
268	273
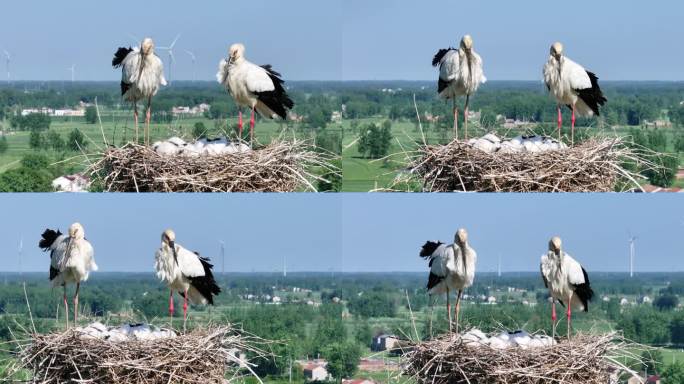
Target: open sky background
347	39
125	229
350	232
384	232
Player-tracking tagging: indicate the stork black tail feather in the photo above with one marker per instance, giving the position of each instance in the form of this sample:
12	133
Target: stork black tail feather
276	100
429	248
48	238
206	285
593	97
584	291
120	55
433	280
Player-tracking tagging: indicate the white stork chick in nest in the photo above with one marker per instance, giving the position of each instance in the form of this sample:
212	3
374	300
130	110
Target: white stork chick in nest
460	73
566	280
452	267
142	74
256	87
572	85
72	258
185	272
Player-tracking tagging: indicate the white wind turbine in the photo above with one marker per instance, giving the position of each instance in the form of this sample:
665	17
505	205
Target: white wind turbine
8	59
172	59
193	59
632	254
72	69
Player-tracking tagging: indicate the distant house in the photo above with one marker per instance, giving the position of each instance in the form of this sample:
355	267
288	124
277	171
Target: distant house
491	300
383	342
605	299
645	300
315	370
624	301
71	183
358	381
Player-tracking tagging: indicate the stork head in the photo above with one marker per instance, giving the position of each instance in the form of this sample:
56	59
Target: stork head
555	245
235	52
557	50
76	231
461	237
169	238
147	46
467	43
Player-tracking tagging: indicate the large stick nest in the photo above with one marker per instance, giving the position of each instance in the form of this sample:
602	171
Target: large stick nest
282	166
584	359
596	165
200	356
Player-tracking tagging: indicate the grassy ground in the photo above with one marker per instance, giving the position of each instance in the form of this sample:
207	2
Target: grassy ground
118	128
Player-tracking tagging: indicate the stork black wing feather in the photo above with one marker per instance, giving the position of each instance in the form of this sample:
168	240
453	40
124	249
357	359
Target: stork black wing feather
53	273
277	100
48	238
593	97
433	280
439	55
205	285
429	248
584	291
120	55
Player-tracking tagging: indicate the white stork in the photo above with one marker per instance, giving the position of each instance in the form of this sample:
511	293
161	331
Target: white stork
141	77
185	272
259	88
71	260
566	280
572	85
452	267
460	73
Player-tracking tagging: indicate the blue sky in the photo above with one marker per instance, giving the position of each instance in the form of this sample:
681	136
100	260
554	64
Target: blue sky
626	40
125	229
350	232
347	39
301	39
385	232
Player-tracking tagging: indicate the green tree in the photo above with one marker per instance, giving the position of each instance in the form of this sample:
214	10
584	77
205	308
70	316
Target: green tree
199	131
666	302
374	141
665	172
54	140
36	139
77	140
343	359
653	360
677	328
91	114
673	373
331	181
3	144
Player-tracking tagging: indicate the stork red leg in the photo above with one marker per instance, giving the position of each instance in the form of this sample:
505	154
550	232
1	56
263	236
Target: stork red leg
553	318
569	315
135	120
465	120
455	121
78	286
458	308
251	127
448	309
185	308
66	308
240	125
560	122
572	130
148	120
171	304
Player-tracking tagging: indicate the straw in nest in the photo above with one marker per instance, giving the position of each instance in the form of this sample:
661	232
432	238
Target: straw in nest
282	166
200	356
585	359
593	166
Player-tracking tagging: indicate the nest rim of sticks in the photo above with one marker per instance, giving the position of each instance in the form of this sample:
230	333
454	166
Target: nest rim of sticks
585	358
281	166
201	355
595	165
